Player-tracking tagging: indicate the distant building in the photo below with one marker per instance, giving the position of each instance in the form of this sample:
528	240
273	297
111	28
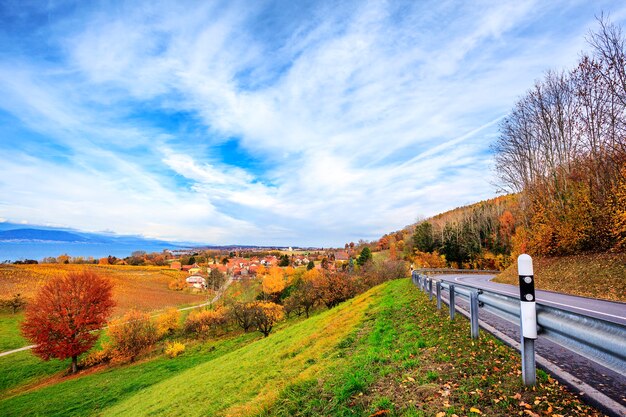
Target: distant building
175	265
196	281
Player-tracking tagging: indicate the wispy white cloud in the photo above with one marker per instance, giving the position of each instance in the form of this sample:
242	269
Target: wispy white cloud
349	120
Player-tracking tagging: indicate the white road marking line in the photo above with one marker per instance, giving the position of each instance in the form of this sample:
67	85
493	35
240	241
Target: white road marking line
460	279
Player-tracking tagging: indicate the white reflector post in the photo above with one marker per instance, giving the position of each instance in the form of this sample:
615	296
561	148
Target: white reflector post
528	318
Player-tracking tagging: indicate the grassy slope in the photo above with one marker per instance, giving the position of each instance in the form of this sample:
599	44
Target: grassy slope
238	375
388	350
597	275
10	337
408	359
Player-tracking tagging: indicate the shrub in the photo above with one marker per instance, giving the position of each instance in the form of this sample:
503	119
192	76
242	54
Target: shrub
132	334
174	349
97	357
15	303
177	284
204	321
168	323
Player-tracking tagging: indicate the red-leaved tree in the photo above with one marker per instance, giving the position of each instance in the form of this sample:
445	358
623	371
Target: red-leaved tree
63	319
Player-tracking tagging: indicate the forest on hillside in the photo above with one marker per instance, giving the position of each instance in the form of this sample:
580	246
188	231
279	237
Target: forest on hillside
561	157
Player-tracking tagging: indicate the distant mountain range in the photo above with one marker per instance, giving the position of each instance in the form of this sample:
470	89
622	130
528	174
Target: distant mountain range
40	236
37	242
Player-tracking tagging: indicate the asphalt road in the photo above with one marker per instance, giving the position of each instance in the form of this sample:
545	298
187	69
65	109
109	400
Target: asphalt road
606	310
607	382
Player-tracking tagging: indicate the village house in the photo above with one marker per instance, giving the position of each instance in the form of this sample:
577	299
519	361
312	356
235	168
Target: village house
196	281
192	269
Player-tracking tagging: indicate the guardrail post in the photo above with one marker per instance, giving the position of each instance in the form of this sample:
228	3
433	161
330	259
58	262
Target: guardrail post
528	318
474	314
451	300
438	289
430	289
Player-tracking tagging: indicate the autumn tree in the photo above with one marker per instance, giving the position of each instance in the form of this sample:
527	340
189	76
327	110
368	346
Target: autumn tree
132	334
266	315
242	314
274	283
563	146
63	319
304	294
334	288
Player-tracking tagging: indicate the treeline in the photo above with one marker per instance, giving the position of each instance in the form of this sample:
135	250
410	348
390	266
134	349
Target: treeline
478	236
563	148
561	153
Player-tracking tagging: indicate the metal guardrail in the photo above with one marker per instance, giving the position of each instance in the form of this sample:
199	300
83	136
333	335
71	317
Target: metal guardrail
459	271
601	341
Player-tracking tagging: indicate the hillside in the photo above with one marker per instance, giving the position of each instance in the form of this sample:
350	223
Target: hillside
387	351
589	275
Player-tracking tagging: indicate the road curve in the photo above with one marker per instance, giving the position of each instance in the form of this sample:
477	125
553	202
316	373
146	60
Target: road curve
606	310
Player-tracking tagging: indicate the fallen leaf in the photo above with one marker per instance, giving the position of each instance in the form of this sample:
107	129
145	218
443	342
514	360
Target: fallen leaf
475	410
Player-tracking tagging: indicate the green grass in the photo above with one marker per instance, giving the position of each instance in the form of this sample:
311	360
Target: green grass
239	375
388	351
408	359
90	394
10	337
23	368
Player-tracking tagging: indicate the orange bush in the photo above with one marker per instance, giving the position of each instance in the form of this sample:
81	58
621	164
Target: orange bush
168	323
132	334
204	321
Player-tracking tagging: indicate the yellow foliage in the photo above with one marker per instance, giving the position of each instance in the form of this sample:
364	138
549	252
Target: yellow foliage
168	322
619	213
266	314
177	284
274	281
429	260
203	321
174	349
312	274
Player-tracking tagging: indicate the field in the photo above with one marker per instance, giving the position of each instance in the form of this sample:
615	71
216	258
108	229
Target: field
143	288
597	275
140	287
388	351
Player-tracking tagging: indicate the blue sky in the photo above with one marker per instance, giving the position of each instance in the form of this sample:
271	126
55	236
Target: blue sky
252	122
